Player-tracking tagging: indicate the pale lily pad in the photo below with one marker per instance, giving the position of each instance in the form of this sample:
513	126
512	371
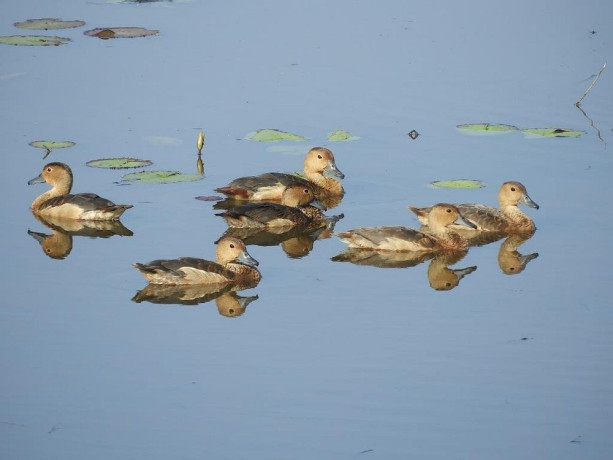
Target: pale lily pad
119	163
552	132
458	183
120	32
273	135
341	135
160	177
486	128
33	40
164	140
48	145
48	24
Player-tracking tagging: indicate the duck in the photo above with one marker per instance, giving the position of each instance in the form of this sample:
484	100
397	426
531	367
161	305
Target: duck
508	219
59	203
234	265
320	172
439	238
298	208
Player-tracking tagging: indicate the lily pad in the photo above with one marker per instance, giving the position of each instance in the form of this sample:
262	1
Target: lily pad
458	183
119	163
160	177
33	40
120	32
552	132
48	24
341	135
49	145
164	140
486	128
273	135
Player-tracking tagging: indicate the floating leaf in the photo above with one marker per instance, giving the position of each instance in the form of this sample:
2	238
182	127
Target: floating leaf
552	132
119	163
33	40
120	32
459	183
209	198
164	140
273	135
48	145
160	177
486	128
341	135
47	24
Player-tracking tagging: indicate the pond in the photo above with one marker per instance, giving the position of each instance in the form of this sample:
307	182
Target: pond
322	359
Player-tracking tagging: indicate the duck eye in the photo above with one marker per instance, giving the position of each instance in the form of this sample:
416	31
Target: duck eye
512	189
48	169
319	156
232	245
306	190
448	210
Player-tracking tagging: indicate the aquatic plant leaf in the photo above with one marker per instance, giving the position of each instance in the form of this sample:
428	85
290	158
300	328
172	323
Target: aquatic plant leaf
48	145
341	135
552	132
33	40
120	32
273	135
486	128
458	183
164	140
160	177
119	163
209	198
48	24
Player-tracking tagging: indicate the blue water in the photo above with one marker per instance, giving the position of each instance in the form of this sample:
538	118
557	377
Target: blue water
332	360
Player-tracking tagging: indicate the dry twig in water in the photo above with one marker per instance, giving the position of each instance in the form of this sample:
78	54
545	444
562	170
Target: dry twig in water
578	103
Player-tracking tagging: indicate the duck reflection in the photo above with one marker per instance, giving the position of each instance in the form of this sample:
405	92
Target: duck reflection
58	244
229	303
440	276
296	242
510	261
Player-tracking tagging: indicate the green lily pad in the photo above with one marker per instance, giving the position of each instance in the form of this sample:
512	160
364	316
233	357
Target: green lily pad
120	32
49	145
33	40
160	177
458	183
486	128
119	163
47	24
552	132
273	135
341	135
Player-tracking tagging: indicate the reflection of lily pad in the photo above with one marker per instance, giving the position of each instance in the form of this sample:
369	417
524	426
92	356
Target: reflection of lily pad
120	32
273	135
160	177
47	24
119	163
486	128
341	135
49	145
459	183
552	132
33	40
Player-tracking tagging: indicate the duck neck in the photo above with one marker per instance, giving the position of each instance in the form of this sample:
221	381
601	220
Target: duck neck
517	218
447	238
328	184
244	271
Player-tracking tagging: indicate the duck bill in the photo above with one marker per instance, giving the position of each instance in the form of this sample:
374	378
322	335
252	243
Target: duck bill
245	258
525	199
461	220
40	237
462	272
318	204
332	170
37	180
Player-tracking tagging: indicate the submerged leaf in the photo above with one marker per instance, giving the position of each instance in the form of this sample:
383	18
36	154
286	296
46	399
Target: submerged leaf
119	163
458	183
47	24
341	135
33	40
120	32
160	177
48	145
273	135
552	132
486	128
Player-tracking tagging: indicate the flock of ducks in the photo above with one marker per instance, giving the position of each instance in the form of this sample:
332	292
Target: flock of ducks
279	203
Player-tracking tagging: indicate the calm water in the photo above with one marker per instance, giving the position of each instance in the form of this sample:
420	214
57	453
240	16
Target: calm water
332	360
